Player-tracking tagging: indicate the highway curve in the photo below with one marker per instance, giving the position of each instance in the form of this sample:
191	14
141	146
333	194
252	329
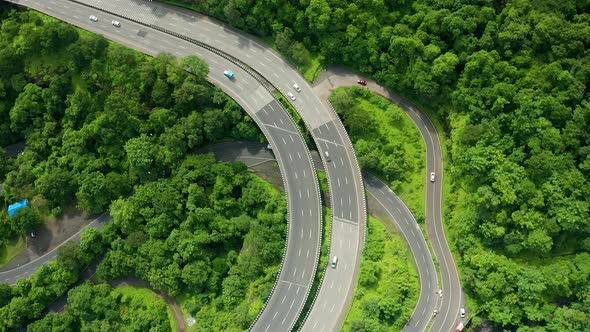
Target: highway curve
304	206
452	294
345	180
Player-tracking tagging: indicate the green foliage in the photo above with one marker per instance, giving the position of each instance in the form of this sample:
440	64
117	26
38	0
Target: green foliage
98	307
388	288
98	118
508	80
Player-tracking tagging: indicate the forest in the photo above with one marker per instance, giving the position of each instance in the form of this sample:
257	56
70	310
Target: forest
508	80
110	128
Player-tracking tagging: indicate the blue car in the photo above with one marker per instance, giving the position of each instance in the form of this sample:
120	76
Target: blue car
228	73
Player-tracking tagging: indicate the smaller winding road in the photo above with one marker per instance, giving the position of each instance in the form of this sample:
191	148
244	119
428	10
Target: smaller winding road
449	289
24	271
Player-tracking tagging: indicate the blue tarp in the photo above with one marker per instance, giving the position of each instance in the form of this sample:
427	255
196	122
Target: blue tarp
17	206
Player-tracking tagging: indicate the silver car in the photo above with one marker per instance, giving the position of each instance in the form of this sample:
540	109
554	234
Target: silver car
93	18
291	96
296	87
116	23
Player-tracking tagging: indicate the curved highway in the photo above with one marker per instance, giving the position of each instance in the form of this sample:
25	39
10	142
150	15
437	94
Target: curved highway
344	177
452	298
304	206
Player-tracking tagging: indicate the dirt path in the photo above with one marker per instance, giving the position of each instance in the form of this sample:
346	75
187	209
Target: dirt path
132	281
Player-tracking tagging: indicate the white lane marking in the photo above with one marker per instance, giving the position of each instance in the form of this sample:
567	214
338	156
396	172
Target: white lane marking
281	119
299	193
308	192
290	157
275	315
299	252
292	140
307	253
284	142
304	173
310	233
298	154
295	271
296	176
284	297
338	182
346	179
291	306
310	213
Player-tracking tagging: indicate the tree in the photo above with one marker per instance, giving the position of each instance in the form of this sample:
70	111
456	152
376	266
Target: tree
93	195
24	221
195	66
141	155
28	109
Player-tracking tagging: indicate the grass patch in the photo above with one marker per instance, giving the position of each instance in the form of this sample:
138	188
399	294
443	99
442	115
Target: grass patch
139	297
11	249
313	68
387	143
388	288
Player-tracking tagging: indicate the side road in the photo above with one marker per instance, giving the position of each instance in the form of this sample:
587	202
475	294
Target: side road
452	298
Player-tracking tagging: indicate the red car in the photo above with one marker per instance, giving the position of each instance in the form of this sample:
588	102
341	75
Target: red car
362	82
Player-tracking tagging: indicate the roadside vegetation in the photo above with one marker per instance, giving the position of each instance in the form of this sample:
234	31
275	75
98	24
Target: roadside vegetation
388	287
103	308
110	128
509	82
386	141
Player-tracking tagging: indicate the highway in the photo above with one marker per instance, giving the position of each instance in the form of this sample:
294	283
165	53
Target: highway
304	206
453	297
344	177
382	198
346	186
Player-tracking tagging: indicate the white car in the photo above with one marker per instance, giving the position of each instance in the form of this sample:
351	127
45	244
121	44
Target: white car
291	96
432	177
462	312
116	23
93	18
296	87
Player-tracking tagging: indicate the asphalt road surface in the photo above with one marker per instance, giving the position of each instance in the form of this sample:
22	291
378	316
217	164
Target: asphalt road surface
452	298
302	252
344	177
395	210
24	271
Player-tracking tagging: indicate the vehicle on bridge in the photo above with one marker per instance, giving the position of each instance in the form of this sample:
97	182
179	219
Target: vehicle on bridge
229	74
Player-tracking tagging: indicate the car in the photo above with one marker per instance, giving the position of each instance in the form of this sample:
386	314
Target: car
334	262
116	23
362	82
432	177
291	96
228	73
93	18
459	327
269	147
462	311
327	156
296	87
